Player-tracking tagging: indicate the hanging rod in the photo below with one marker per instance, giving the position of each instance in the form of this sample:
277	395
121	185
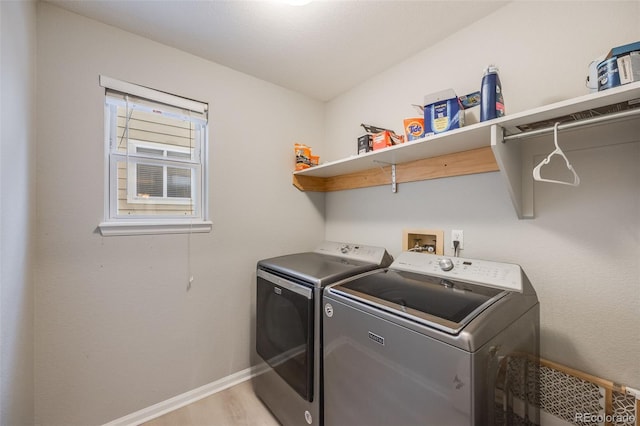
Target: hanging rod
569	125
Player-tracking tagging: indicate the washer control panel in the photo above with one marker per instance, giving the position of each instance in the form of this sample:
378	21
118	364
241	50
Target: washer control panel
506	276
370	254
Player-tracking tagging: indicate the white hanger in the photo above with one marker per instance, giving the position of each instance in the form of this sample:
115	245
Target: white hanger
557	151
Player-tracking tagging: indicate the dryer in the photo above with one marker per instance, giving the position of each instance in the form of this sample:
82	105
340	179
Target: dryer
289	324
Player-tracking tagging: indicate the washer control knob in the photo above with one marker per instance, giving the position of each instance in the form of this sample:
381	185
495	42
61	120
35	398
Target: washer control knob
445	264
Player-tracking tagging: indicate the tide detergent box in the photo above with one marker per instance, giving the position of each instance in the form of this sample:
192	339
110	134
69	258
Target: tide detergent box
442	112
413	128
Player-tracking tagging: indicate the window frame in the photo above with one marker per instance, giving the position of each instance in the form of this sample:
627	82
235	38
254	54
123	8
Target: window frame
119	224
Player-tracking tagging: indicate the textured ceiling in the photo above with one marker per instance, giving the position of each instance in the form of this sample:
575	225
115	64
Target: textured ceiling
321	49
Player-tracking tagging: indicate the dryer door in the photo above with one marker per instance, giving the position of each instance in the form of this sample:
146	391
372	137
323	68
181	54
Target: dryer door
284	330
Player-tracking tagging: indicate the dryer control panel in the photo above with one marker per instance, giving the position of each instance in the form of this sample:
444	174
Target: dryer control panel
506	276
369	254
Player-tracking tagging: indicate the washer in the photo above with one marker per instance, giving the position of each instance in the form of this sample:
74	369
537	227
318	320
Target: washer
289	324
429	341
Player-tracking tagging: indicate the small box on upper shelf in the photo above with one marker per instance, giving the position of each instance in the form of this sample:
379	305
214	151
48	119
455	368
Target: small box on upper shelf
381	140
386	139
365	144
442	112
620	66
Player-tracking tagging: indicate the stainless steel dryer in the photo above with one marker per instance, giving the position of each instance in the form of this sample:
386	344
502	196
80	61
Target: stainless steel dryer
289	324
427	341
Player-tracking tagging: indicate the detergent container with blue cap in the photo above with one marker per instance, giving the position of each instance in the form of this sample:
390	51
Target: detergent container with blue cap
492	101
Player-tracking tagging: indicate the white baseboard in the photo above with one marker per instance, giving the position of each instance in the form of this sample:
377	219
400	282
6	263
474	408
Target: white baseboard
187	398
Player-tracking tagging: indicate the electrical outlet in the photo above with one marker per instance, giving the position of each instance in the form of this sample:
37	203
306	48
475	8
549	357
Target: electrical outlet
457	235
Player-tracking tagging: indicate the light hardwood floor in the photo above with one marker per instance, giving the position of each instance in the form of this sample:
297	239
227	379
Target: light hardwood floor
236	406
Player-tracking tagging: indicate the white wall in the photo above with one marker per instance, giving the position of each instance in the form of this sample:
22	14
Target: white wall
116	329
17	209
581	252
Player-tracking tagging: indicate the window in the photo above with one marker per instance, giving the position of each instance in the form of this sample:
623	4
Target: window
160	184
155	161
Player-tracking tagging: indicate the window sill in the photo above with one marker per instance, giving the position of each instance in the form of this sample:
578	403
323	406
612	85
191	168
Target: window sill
108	229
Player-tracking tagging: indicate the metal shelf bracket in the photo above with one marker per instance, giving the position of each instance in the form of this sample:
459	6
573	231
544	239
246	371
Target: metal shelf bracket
394	184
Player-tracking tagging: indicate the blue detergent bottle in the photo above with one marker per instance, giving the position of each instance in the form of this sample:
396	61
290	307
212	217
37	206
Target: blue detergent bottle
492	101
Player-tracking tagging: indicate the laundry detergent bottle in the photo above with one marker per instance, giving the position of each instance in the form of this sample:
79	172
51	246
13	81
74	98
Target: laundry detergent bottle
492	101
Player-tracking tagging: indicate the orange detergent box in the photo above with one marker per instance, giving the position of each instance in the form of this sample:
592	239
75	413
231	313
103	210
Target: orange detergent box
413	128
384	139
381	140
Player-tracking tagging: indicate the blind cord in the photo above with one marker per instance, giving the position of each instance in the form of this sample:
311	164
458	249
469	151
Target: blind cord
189	275
127	117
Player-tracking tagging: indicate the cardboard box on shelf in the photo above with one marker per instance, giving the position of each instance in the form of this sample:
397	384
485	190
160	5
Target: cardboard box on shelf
624	50
380	137
442	112
382	140
365	144
471	100
629	67
385	139
413	128
620	66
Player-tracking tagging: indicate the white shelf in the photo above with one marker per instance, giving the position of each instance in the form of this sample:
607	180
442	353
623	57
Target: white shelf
570	106
469	137
490	133
514	159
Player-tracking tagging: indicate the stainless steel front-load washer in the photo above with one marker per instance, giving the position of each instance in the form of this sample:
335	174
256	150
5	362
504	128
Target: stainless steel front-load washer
289	324
427	342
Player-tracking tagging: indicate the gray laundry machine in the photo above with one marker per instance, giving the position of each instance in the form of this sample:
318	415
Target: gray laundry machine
428	341
289	324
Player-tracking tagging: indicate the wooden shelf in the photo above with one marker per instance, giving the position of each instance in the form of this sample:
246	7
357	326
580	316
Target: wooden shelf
473	161
467	150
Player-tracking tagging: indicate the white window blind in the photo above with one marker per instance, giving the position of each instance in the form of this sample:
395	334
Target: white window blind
155	149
